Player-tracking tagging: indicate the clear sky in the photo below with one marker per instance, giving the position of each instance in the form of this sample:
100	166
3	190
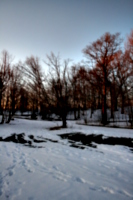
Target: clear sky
37	27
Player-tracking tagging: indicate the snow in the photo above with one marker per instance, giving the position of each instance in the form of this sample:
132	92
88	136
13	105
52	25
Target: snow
120	120
58	171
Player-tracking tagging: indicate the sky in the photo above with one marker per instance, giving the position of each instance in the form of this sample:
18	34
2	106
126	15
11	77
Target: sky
37	27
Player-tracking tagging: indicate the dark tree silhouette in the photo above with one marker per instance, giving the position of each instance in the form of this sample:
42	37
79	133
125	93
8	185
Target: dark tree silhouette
129	58
59	86
33	71
75	91
102	53
14	87
5	66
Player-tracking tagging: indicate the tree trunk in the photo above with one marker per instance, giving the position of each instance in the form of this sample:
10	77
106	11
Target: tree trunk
99	99
104	109
91	111
112	102
0	104
64	124
75	116
2	121
115	106
13	105
123	102
79	112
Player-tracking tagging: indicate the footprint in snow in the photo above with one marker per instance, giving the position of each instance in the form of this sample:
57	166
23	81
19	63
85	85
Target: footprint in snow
80	180
10	172
27	166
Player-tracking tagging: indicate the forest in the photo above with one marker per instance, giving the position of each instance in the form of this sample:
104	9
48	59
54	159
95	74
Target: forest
104	81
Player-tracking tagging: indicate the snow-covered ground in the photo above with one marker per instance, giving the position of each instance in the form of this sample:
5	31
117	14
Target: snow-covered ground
55	170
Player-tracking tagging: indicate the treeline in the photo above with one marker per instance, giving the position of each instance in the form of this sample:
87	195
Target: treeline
104	81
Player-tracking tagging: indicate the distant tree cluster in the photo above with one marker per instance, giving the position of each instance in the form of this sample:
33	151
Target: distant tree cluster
106	81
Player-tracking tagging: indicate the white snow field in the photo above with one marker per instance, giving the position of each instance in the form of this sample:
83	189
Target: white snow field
55	170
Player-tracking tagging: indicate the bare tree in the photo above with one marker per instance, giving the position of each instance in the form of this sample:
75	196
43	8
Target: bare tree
95	95
75	90
14	87
129	58
59	86
34	77
102	53
5	66
129	47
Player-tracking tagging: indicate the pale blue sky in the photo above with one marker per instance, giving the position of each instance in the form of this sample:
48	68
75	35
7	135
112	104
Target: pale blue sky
38	27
